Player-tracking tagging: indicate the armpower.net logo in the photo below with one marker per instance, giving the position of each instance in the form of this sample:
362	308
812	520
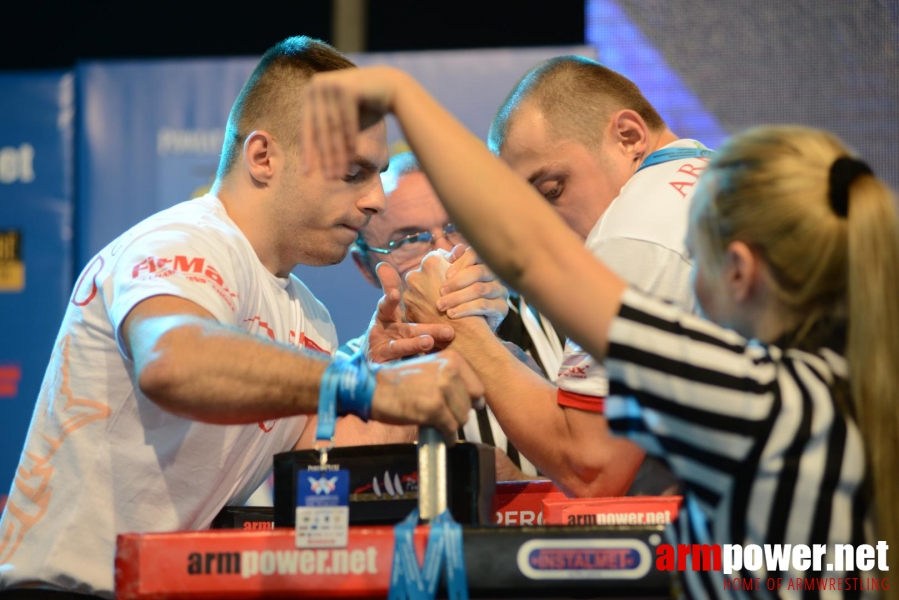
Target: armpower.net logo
251	563
778	565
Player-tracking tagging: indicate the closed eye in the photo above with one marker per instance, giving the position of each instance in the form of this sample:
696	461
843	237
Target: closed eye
551	190
361	170
355	173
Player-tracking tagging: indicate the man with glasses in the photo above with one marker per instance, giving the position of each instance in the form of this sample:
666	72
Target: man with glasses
414	224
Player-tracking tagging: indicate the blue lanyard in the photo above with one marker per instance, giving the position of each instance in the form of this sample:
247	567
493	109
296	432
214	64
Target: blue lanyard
668	154
407	581
327	403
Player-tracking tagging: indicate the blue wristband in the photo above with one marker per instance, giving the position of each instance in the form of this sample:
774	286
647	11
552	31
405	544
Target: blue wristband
356	387
346	388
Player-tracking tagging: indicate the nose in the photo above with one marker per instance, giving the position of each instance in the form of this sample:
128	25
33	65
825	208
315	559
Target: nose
374	202
442	242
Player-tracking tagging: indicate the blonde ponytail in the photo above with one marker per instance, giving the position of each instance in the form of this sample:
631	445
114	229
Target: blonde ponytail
873	345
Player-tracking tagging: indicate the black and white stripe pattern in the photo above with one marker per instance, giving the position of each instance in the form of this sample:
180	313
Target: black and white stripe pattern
753	431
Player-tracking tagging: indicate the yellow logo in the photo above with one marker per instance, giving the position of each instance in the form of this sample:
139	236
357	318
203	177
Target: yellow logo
12	269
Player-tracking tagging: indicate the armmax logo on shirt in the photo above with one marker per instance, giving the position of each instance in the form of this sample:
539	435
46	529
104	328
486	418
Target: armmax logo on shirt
574	365
195	269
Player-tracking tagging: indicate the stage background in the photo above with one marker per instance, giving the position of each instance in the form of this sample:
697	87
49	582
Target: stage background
827	64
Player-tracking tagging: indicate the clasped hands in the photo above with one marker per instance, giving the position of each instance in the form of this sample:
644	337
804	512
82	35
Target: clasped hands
434	297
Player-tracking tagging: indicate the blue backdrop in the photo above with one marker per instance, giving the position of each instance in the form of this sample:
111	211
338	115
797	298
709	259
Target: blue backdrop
36	139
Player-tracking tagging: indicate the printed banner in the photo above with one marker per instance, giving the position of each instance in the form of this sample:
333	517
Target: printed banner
36	139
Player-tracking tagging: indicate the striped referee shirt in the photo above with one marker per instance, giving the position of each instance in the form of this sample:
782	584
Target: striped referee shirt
754	431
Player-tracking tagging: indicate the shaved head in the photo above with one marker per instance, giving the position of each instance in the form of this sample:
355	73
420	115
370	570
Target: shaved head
270	98
576	96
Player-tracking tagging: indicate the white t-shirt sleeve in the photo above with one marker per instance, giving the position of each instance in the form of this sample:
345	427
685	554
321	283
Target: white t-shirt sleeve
187	263
651	268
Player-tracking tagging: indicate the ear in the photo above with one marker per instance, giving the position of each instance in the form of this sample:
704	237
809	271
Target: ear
260	156
742	271
630	133
364	265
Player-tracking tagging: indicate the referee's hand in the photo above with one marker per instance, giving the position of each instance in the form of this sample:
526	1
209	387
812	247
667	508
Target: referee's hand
436	390
390	337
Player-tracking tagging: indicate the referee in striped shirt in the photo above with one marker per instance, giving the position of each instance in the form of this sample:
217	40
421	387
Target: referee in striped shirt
783	429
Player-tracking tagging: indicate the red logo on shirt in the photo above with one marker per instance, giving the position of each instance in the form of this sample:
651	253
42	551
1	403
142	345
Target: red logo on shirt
310	345
196	269
576	372
263	325
573	365
153	264
80	298
692	171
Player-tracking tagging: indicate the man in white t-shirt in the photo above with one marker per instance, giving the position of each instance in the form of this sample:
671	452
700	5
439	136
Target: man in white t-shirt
585	137
189	354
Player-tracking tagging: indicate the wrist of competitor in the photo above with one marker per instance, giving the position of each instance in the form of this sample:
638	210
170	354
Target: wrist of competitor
355	385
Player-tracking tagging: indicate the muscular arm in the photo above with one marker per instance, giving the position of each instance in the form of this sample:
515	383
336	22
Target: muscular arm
191	365
578	453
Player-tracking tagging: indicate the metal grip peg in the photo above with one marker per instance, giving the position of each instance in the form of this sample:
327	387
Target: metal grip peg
432	482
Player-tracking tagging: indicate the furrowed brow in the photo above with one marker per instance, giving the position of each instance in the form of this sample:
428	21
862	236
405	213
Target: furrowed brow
370	165
542	171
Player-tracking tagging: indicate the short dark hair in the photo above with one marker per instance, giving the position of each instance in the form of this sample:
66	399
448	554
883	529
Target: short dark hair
270	99
576	95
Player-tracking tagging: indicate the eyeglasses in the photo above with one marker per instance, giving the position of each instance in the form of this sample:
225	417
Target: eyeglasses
415	244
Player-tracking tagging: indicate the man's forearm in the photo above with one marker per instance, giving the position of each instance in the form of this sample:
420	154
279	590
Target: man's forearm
204	371
524	403
574	448
189	364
